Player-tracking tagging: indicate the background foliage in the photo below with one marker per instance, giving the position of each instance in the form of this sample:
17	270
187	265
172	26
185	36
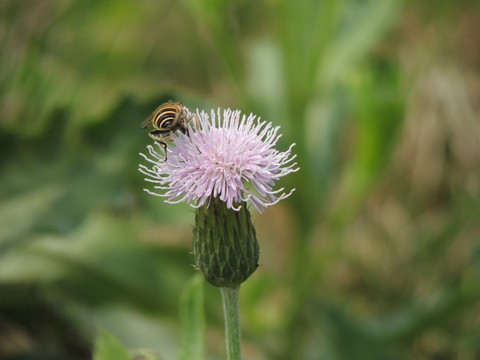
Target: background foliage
375	256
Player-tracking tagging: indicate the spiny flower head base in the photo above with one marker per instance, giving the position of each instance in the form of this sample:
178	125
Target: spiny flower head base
230	156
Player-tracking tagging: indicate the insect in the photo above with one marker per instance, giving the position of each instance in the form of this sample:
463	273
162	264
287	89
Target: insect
167	118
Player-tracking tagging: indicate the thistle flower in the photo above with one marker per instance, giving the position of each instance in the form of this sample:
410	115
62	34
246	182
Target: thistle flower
230	157
228	160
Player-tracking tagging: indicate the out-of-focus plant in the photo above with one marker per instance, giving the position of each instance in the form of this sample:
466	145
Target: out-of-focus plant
384	230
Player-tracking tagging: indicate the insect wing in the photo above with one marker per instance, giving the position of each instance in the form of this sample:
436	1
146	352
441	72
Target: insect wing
146	123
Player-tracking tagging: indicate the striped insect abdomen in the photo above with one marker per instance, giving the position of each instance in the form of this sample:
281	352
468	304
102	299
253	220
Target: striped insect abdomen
166	117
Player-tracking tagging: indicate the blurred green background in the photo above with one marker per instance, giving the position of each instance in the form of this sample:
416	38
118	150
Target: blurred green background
375	256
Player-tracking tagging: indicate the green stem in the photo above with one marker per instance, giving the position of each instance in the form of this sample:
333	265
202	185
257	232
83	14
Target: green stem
232	322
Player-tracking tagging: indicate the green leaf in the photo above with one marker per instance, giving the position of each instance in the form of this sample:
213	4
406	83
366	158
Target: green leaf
339	335
20	214
107	347
378	109
192	320
362	25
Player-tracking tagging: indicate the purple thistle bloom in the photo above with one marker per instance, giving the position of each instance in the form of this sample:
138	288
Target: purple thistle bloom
231	156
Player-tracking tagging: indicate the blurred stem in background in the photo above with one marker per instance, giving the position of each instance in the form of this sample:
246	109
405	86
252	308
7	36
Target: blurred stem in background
309	32
302	28
216	16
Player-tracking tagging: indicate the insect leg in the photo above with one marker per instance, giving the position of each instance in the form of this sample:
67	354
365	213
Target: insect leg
164	144
158	140
195	121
